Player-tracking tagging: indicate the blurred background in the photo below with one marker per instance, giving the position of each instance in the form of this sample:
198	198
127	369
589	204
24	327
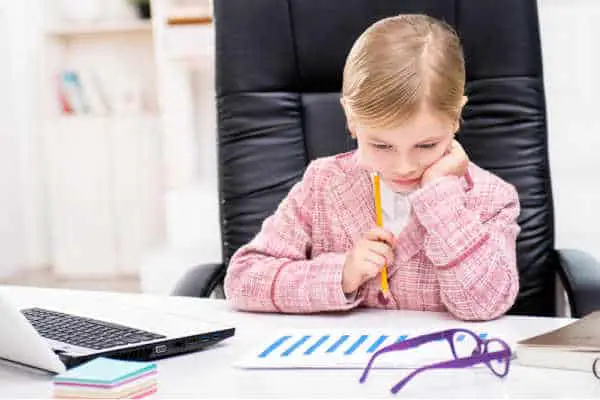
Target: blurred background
108	174
107	142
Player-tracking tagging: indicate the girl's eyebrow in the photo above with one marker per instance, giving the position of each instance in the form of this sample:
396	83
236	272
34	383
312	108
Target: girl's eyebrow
430	139
376	139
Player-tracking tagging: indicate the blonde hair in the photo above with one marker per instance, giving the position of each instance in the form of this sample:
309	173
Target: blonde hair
400	64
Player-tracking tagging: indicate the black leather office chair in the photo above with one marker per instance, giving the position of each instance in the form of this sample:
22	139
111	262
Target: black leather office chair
279	71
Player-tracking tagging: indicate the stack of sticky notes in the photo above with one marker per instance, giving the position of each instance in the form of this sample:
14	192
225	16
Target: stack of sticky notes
104	378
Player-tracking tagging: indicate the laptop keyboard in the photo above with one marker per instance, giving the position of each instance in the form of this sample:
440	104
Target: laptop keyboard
84	332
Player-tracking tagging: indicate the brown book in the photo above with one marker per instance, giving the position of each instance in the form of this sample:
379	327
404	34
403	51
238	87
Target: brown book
575	346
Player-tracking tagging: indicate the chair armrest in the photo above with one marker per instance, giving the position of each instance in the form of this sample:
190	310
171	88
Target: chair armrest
200	281
580	274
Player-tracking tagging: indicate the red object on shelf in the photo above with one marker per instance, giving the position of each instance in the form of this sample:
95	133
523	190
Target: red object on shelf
62	98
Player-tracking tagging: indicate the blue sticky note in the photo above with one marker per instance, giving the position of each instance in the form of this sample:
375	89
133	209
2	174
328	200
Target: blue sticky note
105	371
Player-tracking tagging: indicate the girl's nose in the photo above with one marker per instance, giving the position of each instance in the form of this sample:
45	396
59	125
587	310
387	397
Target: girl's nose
405	169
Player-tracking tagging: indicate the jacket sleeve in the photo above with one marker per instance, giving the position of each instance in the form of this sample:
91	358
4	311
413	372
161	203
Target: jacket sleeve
473	249
275	272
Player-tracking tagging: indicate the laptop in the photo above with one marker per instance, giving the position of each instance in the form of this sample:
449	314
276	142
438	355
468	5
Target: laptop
55	341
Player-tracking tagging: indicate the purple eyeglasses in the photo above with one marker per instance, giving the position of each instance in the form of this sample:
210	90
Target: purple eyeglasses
467	348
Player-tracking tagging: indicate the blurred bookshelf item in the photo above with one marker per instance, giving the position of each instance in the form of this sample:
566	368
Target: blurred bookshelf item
81	92
189	12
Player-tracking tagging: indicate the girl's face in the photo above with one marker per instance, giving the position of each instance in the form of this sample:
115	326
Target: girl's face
401	155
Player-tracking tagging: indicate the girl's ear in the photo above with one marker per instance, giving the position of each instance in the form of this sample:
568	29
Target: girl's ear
351	129
344	106
456	126
349	123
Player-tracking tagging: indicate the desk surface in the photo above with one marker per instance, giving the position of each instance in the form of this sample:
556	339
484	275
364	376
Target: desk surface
209	374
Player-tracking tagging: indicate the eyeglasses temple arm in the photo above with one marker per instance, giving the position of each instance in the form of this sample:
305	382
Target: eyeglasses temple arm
458	363
404	345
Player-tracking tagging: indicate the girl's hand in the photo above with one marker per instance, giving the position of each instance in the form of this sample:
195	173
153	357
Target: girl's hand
454	162
367	258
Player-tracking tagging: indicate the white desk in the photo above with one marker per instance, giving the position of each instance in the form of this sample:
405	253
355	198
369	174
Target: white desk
208	374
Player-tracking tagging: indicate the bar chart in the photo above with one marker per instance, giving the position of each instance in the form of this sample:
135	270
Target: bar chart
342	349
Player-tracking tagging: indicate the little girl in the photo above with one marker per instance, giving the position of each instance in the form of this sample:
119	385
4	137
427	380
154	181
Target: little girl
449	231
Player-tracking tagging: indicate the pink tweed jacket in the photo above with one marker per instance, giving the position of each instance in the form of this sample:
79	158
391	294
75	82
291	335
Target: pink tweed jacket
457	252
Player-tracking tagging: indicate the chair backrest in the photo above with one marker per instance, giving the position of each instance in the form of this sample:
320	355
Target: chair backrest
279	72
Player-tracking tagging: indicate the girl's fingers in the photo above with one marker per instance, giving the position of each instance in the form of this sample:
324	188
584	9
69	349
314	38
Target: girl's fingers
383	249
378	234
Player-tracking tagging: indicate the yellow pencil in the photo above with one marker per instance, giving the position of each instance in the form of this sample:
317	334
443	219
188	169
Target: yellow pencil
384	289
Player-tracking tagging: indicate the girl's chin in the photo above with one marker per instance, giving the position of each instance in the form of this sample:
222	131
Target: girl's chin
404	188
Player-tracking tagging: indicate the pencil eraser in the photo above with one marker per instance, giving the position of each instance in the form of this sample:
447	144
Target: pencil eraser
382	298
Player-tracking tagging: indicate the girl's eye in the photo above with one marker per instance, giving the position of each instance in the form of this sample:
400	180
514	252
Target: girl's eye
381	146
426	146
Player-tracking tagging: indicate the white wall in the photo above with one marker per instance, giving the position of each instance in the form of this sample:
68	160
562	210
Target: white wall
570	32
12	251
22	215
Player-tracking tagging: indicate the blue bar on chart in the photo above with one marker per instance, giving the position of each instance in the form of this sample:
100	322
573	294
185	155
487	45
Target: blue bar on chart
377	343
356	345
338	343
295	346
401	338
462	336
315	346
273	346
